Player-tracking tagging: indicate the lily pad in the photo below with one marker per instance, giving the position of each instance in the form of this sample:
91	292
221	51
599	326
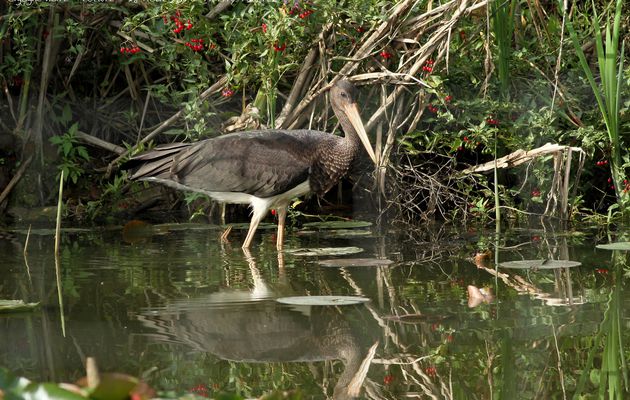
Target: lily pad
7	306
341	233
614	246
355	262
324	251
322	300
337	224
540	264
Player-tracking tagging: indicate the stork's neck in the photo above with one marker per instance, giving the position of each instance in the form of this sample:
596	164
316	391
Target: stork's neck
351	135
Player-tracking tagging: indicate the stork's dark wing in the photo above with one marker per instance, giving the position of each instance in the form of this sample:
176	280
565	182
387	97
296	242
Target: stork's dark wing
261	163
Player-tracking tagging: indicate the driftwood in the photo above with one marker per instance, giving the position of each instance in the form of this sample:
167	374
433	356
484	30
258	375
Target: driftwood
558	198
519	157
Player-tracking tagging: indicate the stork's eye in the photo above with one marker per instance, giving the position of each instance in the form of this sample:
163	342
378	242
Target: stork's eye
343	94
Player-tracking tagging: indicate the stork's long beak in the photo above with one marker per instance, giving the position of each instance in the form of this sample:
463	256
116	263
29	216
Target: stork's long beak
352	111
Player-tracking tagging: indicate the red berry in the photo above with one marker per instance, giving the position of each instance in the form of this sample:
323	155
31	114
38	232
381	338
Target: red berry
386	55
264	27
388	379
448	98
227	92
279	48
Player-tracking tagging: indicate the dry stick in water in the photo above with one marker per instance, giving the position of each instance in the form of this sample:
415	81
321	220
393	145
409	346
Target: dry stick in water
57	260
25	252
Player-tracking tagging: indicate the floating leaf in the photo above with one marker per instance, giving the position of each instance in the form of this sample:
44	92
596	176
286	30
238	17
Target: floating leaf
614	246
337	224
7	306
114	386
322	300
355	262
48	391
325	251
341	233
539	264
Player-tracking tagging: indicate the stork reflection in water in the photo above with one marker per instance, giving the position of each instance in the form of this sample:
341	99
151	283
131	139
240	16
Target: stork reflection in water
265	169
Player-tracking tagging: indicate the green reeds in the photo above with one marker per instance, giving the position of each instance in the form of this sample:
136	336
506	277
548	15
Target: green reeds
608	95
503	27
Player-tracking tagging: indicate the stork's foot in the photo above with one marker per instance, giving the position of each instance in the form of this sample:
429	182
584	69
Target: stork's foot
226	233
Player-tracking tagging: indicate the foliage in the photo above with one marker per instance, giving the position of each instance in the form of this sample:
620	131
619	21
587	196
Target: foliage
166	54
609	96
72	153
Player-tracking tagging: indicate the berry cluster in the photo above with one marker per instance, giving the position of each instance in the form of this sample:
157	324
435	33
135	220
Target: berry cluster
200	390
385	55
536	192
227	92
428	66
448	98
492	121
264	27
388	379
195	44
431	371
306	13
601	163
432	108
179	25
130	50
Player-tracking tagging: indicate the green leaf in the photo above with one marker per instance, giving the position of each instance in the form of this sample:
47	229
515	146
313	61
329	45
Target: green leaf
82	151
66	115
72	131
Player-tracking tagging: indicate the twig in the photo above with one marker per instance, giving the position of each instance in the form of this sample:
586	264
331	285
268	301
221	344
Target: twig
93	140
219	8
16	178
297	85
24	253
212	89
59	206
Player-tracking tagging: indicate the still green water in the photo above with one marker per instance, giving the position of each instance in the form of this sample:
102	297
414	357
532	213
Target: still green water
187	312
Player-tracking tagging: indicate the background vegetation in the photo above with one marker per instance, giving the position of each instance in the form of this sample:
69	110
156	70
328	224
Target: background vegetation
445	85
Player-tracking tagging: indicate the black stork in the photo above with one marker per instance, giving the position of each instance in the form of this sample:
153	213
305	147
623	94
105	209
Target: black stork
265	169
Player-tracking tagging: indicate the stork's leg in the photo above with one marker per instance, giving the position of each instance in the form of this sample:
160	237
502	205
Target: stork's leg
257	216
282	216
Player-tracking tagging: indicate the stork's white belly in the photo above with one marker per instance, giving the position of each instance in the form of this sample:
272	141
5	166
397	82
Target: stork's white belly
257	203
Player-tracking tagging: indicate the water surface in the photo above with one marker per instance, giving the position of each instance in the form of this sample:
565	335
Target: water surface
187	312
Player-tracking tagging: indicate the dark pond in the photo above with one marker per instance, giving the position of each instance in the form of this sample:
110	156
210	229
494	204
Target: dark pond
186	312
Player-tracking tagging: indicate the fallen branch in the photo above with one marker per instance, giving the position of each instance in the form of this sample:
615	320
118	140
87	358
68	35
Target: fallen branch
93	140
16	178
519	157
